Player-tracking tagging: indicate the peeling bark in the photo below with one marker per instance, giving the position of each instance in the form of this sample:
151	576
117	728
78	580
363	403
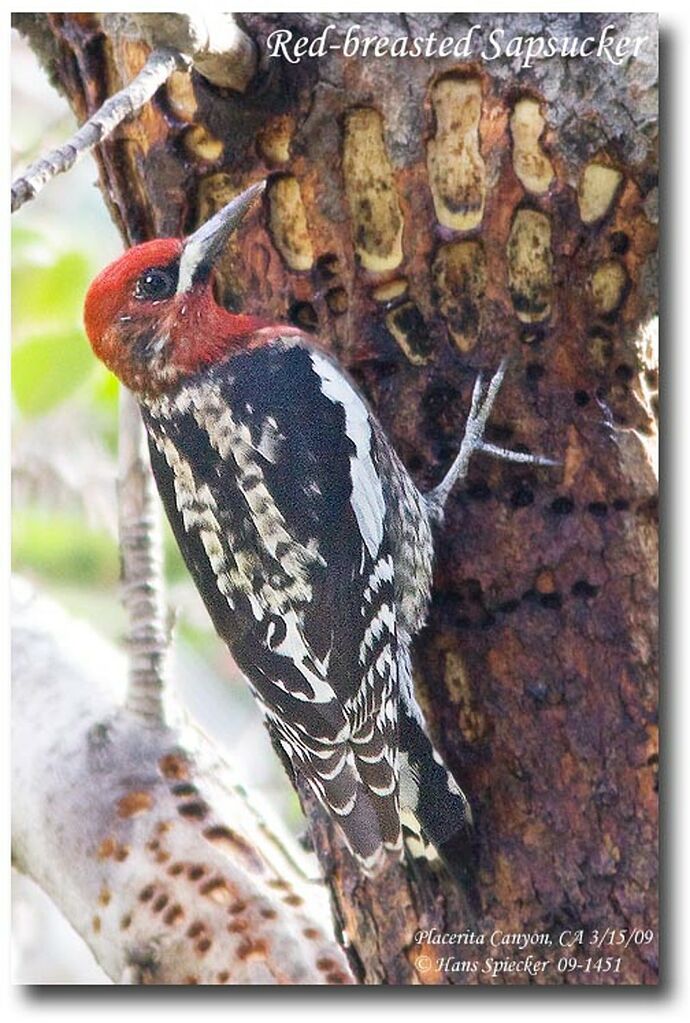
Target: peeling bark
506	213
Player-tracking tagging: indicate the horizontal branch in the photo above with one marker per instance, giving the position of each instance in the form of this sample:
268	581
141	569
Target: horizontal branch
138	832
125	103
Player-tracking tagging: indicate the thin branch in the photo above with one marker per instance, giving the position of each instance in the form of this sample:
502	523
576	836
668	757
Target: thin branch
157	69
142	559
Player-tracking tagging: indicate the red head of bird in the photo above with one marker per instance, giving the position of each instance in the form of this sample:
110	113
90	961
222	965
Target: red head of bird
151	316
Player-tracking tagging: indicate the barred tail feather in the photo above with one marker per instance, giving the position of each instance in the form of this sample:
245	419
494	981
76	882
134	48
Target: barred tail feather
437	819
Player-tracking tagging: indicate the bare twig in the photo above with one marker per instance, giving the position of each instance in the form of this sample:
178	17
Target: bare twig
157	69
141	554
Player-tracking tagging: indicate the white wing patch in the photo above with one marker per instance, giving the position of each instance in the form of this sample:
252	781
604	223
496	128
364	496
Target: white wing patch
367	494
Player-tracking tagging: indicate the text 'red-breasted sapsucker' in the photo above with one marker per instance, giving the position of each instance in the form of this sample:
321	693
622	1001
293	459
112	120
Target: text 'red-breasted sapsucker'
309	543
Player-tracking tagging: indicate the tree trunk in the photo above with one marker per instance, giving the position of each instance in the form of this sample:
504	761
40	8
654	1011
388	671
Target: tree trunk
427	217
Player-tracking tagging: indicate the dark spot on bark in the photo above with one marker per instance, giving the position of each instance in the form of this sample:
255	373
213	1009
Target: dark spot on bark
303	315
624	372
478	491
598	509
620	243
195	811
534	371
620	504
552	601
582	588
327	266
563	506
184	789
581	398
522	496
538	691
337	301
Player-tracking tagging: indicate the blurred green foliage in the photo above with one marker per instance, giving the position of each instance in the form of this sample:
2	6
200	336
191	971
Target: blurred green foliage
61	548
51	358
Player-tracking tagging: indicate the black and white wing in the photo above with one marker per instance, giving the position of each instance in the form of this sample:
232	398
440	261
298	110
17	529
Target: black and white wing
268	467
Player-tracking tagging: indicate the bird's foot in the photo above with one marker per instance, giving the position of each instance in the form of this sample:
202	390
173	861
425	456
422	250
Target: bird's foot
483	400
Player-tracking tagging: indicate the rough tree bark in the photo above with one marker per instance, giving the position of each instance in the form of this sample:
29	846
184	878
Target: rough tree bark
428	217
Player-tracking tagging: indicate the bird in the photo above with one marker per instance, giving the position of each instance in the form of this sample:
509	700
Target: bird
308	541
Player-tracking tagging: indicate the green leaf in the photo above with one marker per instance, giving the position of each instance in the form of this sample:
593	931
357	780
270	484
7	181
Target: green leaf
47	368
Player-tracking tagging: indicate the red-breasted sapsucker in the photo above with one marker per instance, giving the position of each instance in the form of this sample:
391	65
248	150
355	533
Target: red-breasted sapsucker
308	541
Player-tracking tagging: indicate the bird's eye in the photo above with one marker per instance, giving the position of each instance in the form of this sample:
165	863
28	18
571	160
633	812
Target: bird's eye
155	284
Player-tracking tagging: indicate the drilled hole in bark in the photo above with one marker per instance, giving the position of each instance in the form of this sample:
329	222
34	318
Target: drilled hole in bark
534	371
223	977
457	173
598	509
217	890
597	190
196	872
459	284
581	398
620	504
146	894
237	907
175	869
195	929
134	803
125	922
173	766
407	326
337	301
185	789
370	188
194	811
531	165
624	372
203	946
619	243
303	315
327	266
160	903
508	606
174	914
530	265
562	506
478	491
609	286
538	691
585	589
288	225
237	926
522	496
551	601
